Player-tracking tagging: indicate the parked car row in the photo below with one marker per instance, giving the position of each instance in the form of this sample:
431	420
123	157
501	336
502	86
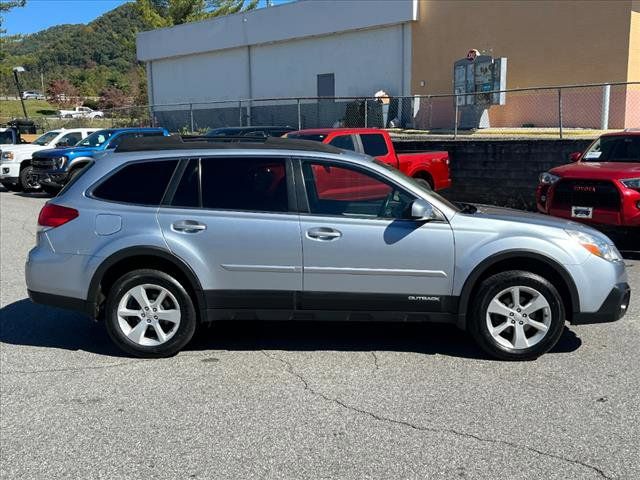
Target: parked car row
162	233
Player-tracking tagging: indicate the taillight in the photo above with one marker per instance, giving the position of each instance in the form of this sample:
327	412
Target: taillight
53	215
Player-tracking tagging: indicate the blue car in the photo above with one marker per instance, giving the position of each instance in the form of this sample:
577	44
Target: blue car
57	167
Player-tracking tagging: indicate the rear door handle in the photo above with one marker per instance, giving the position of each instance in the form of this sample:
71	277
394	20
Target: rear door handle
323	233
188	226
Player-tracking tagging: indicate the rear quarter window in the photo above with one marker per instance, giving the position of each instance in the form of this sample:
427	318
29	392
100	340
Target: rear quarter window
140	183
374	144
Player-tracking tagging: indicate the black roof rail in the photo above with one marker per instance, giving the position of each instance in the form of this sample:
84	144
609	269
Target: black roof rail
193	142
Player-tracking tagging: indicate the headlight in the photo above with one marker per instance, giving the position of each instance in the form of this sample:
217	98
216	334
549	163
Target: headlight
547	178
7	155
595	245
60	161
631	183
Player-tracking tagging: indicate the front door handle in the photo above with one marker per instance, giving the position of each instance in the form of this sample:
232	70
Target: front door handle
323	233
188	226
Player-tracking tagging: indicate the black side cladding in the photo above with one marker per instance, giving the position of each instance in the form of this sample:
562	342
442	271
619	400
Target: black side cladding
176	142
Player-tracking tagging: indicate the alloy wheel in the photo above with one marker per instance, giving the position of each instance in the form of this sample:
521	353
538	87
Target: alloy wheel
149	315
518	317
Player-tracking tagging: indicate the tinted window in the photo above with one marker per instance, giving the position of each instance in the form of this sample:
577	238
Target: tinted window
257	184
337	190
614	149
187	194
97	138
6	137
316	138
343	141
71	138
142	183
374	144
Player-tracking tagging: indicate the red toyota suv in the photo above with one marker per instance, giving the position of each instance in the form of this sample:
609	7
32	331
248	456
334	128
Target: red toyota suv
601	187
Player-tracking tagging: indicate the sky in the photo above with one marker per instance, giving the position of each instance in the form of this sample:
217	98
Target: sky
40	14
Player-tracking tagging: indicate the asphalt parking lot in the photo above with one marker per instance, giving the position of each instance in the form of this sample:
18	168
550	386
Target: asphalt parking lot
278	400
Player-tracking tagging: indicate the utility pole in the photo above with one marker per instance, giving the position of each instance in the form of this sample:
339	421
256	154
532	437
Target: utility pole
42	81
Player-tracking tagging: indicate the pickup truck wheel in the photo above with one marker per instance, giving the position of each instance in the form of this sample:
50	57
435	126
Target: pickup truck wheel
517	315
149	314
424	183
28	180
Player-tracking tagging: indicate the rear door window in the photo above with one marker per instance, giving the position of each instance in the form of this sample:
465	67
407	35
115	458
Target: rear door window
249	184
140	183
374	144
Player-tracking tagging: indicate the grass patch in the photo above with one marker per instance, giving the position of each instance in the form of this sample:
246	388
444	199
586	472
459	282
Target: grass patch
35	108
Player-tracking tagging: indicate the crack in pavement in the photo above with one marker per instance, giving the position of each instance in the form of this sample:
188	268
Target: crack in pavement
375	360
289	368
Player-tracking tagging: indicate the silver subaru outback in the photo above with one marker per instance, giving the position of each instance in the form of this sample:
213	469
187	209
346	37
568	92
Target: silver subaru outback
166	233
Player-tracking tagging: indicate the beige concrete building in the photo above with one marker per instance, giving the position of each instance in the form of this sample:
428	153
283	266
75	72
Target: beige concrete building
547	43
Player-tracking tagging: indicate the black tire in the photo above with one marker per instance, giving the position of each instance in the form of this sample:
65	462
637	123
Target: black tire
53	191
12	187
27	184
425	183
495	284
185	329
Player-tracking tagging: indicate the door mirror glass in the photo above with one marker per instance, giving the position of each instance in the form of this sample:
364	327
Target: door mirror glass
575	156
422	210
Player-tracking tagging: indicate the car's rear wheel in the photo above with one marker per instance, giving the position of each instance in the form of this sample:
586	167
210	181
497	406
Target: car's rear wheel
149	314
424	182
517	315
29	180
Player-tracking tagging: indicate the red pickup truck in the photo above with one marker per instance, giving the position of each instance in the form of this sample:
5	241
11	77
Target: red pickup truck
428	168
601	186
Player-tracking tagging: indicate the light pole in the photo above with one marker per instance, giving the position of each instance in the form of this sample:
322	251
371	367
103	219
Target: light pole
17	70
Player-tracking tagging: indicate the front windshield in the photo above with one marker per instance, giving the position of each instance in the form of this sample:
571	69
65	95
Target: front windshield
616	148
96	139
43	140
418	185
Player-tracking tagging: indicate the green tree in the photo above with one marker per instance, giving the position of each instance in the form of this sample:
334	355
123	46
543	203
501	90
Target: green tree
5	6
165	13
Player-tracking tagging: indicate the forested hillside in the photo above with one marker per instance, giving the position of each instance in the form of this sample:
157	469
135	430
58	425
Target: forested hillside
93	57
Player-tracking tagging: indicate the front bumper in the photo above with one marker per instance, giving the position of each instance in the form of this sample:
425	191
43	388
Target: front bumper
9	172
614	307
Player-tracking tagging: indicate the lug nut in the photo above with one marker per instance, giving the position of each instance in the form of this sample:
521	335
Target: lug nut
521	322
142	314
524	315
148	320
518	310
511	314
155	309
513	321
146	308
155	316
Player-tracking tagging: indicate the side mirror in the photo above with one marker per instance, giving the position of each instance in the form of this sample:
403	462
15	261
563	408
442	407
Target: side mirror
575	156
422	211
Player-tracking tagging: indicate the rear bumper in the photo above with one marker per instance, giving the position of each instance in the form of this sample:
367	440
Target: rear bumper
59	301
614	307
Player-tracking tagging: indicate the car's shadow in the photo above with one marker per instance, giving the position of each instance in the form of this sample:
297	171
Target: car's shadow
25	323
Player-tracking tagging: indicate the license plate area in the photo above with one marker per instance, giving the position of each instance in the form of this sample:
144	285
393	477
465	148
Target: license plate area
582	212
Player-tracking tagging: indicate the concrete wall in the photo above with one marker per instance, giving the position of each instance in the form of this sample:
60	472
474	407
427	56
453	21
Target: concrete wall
498	172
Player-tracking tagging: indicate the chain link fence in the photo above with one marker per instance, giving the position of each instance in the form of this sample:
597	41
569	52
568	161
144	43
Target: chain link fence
553	111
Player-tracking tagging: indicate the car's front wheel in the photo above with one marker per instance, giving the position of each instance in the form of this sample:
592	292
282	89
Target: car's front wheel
517	315
29	180
149	314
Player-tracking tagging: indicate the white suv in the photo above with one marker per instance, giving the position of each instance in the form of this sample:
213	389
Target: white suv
16	172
